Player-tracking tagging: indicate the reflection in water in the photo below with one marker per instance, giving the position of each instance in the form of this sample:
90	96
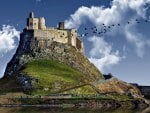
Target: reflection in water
48	110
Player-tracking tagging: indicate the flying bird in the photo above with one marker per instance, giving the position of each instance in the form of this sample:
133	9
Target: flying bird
136	19
100	32
138	22
94	32
105	30
85	34
109	27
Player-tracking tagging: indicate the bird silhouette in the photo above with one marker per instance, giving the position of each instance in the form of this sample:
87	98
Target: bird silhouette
105	30
94	32
85	34
136	19
109	27
113	25
100	32
138	22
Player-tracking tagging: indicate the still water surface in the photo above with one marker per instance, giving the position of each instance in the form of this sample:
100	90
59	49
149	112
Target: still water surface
48	110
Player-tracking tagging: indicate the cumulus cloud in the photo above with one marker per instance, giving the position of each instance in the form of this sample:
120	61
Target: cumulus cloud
102	54
120	11
8	35
137	39
114	14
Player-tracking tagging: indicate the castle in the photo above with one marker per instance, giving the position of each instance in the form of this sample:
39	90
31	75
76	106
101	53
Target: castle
42	36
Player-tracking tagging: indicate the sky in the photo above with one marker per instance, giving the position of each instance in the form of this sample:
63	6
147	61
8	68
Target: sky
121	44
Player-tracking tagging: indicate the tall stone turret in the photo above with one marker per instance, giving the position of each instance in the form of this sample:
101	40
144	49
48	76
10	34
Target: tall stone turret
35	23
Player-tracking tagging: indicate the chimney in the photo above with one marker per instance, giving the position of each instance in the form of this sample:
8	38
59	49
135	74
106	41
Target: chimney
61	25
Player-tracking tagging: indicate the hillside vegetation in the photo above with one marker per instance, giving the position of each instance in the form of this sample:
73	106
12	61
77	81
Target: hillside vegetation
53	77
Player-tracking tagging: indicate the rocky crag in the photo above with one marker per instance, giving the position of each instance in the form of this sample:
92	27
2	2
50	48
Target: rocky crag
35	48
52	61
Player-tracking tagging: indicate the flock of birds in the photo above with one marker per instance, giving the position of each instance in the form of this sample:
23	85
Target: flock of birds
105	28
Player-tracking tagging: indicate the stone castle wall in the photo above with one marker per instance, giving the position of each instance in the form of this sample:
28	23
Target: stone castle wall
43	36
51	35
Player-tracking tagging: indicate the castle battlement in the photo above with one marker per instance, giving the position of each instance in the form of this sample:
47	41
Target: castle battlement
43	35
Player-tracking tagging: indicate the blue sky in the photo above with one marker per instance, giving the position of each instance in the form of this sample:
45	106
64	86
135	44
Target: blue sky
123	50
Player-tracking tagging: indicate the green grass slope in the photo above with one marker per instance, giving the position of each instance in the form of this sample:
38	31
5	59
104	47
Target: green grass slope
53	77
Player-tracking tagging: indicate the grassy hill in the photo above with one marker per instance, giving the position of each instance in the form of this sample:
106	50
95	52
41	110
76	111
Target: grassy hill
51	76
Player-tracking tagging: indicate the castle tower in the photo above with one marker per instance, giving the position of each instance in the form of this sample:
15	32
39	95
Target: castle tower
42	23
32	23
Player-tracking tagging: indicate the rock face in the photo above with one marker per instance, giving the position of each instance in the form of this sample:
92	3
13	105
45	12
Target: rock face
60	52
114	85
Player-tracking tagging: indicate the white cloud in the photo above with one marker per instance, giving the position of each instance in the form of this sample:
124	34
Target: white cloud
8	38
137	39
102	54
114	14
8	35
120	12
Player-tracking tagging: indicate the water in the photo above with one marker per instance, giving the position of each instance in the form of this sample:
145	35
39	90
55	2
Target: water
48	110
